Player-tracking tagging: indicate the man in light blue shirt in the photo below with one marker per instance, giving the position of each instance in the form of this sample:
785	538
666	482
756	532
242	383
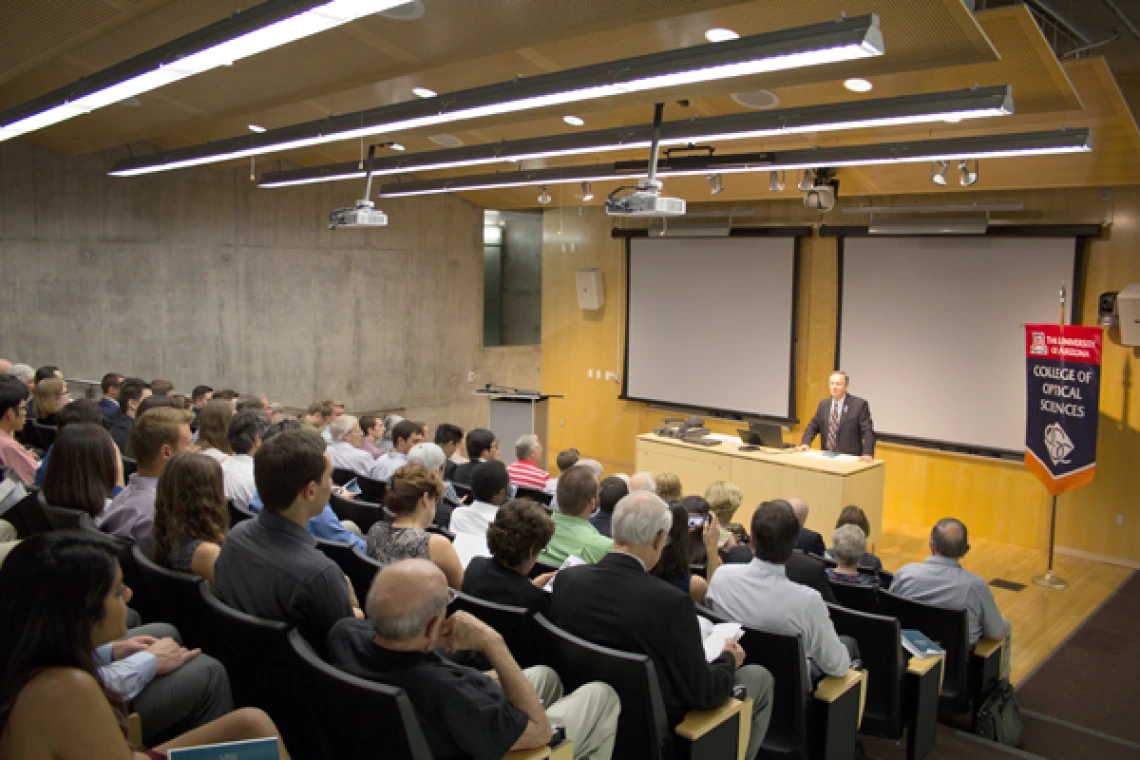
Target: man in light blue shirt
405	435
942	581
760	595
173	689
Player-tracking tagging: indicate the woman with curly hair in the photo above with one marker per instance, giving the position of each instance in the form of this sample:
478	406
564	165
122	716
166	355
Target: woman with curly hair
190	515
61	597
412	497
520	532
213	429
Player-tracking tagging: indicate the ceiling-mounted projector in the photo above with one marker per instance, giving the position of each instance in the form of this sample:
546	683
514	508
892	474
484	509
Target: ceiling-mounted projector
646	199
364	213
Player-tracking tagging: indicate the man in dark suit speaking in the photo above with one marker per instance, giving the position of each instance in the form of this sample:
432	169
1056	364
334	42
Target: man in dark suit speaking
843	421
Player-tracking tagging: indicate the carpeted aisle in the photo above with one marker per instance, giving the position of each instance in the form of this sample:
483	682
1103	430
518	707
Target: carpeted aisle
1084	701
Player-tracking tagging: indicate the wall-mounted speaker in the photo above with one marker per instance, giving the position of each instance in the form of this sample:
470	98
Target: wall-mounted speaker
1128	309
591	288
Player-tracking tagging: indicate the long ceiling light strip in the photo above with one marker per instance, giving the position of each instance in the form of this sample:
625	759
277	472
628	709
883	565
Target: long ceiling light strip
832	42
883	112
266	26
915	151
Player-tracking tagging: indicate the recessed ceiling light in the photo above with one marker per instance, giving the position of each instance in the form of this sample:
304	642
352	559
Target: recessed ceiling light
423	92
858	85
256	128
757	100
397	146
720	35
573	121
446	141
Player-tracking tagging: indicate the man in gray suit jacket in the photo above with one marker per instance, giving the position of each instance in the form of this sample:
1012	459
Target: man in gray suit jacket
843	422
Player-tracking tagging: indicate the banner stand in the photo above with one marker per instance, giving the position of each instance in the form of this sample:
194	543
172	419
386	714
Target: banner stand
1049	580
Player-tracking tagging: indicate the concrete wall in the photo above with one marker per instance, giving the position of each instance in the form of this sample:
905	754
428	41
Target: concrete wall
199	277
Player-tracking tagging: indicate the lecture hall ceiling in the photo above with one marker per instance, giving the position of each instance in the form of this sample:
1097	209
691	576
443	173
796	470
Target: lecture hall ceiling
931	45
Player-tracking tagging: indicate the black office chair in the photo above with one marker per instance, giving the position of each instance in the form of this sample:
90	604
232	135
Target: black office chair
179	600
341	477
360	569
64	518
885	579
441	531
879	648
372	491
27	516
514	624
542	497
965	677
643	728
856	597
348	704
130	467
237	514
362	512
801	725
45	434
259	661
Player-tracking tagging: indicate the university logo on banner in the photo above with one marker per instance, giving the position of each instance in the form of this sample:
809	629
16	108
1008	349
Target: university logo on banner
1063	372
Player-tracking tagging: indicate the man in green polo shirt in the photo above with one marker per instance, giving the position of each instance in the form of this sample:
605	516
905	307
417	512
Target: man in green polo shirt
573	533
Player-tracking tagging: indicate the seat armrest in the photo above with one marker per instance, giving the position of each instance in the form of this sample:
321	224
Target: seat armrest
697	723
986	648
920	666
832	688
559	748
134	729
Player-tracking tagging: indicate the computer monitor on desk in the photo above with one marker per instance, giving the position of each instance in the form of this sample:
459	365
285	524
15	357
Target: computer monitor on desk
766	434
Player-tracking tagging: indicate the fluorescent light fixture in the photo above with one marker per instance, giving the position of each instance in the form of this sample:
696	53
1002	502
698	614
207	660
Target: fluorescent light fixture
929	226
843	40
574	121
915	151
857	85
424	92
882	112
720	34
256	128
263	27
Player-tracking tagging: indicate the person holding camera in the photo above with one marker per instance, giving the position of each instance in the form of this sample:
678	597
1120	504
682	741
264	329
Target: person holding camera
675	565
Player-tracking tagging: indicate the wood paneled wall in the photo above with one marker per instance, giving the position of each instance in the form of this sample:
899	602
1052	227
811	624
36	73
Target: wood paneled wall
998	500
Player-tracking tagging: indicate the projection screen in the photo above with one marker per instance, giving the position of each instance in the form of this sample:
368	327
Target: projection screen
931	331
709	323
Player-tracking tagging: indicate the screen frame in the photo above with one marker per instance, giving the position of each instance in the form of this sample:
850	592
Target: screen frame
1081	233
797	234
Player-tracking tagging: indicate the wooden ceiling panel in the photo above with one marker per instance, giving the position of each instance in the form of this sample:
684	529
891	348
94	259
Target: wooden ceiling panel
28	28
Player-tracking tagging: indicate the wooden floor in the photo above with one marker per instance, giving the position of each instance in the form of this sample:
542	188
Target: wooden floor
1041	618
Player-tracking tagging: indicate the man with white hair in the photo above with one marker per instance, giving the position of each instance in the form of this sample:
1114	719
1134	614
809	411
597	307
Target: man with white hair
617	603
525	471
433	457
463	712
642	481
26	375
808	541
345	450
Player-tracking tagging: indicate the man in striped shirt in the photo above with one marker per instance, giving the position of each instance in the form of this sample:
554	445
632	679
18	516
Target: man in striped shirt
525	472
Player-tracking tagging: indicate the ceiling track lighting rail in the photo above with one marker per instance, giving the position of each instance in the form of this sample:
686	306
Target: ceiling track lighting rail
263	27
913	151
845	39
935	107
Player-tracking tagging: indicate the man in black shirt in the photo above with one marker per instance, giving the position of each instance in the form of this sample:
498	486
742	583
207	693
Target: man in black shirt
270	566
464	713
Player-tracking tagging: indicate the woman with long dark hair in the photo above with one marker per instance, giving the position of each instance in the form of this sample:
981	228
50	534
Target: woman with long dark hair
675	565
62	596
190	515
213	426
84	469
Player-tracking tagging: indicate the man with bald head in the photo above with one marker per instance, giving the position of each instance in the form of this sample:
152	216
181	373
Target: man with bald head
941	580
808	541
463	712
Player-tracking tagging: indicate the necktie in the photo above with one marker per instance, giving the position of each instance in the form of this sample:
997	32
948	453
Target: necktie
833	428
